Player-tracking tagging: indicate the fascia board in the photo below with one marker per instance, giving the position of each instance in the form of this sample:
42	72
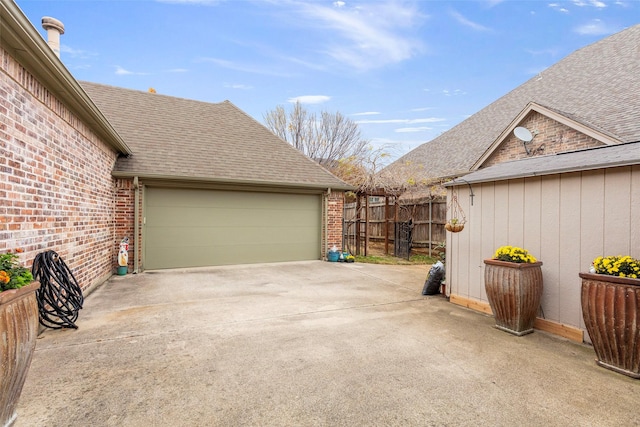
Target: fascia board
23	41
189	180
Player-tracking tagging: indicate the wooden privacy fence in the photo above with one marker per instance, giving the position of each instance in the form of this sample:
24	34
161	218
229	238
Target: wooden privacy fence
428	217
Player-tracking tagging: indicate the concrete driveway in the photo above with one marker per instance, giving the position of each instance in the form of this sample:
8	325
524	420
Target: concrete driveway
307	344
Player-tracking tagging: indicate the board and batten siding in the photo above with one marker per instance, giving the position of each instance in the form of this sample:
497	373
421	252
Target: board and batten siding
564	220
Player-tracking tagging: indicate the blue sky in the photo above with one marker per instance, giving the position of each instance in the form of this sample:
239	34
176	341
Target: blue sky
406	71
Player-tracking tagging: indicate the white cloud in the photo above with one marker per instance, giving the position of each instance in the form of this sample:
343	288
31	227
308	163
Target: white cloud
592	3
411	130
123	72
238	86
371	35
245	68
75	53
558	7
367	113
595	28
456	92
402	121
310	99
177	70
468	23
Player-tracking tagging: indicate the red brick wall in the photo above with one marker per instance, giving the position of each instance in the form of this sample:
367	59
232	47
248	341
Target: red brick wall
335	207
552	137
124	219
123	215
55	179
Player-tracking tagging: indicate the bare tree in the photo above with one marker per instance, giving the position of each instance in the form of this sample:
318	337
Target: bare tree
335	142
329	139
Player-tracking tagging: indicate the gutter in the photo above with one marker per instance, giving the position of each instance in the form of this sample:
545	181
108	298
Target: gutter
533	174
235	183
20	38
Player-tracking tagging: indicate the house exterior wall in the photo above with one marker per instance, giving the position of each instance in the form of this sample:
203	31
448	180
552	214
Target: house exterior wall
550	137
564	220
124	215
334	215
55	179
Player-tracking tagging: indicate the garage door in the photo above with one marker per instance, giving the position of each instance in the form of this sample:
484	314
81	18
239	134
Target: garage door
192	228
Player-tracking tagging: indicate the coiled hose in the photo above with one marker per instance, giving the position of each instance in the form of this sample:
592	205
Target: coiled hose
59	297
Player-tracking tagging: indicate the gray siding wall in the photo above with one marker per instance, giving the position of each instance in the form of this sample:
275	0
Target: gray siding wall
564	220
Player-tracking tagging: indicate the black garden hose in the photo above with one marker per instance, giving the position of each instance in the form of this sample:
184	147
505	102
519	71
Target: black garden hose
59	297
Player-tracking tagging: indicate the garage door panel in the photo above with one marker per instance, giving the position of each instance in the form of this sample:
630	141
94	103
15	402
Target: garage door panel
204	217
186	228
174	237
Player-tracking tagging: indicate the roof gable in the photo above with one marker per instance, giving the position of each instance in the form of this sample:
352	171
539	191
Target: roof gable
579	126
598	85
182	139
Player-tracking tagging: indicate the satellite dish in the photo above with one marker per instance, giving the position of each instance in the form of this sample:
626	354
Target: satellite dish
523	134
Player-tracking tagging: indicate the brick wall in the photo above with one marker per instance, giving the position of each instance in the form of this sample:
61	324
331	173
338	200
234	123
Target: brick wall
335	206
125	197
552	137
55	179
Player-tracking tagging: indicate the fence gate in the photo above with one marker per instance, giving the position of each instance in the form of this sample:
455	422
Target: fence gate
402	241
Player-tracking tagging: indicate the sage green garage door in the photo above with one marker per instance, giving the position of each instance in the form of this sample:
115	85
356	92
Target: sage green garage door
192	228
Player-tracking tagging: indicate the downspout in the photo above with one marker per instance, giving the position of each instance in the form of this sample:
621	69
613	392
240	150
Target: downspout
136	223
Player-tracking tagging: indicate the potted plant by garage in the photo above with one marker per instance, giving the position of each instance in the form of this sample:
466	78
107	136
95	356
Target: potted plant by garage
610	298
18	332
513	281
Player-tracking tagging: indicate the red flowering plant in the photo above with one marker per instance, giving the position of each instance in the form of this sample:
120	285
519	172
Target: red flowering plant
12	274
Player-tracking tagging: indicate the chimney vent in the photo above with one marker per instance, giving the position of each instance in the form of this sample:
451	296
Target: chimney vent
54	29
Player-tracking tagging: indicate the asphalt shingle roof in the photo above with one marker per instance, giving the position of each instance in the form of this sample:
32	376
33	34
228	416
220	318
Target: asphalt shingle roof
598	85
185	139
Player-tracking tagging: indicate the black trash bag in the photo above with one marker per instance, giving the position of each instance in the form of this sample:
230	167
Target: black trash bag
434	279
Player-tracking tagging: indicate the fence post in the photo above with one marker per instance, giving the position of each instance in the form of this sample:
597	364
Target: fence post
430	224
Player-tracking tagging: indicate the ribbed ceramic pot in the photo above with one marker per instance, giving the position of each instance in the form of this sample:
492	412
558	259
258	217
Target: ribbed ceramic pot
611	313
514	291
18	333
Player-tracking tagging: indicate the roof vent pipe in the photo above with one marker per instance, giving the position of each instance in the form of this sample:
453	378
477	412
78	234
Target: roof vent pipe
54	29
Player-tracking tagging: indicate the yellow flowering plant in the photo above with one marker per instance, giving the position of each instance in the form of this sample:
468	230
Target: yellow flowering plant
622	266
12	274
514	254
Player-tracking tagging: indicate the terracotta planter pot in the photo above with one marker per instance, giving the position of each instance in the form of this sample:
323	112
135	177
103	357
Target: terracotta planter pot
514	291
18	333
611	313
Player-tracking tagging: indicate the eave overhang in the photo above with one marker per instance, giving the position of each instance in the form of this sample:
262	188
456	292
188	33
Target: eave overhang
19	37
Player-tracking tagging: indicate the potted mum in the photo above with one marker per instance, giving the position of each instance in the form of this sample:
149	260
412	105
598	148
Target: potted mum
513	281
610	297
18	331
